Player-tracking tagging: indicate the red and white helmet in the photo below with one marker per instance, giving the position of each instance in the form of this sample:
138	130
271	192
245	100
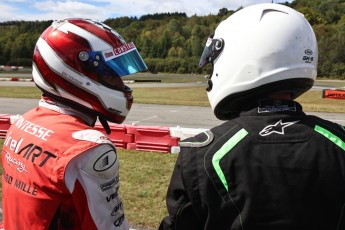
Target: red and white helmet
80	62
259	50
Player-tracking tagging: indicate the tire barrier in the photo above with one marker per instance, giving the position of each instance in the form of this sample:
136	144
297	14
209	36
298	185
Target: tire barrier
142	138
16	79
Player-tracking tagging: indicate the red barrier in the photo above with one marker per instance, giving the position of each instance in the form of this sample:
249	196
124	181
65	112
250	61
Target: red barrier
141	138
334	94
5	123
118	135
152	139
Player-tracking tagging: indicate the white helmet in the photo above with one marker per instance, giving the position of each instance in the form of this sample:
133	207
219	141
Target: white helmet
259	50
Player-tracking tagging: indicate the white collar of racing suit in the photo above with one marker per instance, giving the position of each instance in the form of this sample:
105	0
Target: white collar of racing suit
63	109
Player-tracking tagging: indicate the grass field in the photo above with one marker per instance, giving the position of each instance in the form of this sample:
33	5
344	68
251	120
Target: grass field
144	179
311	101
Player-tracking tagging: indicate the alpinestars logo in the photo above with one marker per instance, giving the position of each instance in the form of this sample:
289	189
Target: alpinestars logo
277	128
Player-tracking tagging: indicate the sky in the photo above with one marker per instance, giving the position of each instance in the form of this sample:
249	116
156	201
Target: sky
32	10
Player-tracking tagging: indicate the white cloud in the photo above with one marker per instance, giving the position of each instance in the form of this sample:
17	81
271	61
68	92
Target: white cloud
67	9
142	7
7	12
198	7
14	1
103	9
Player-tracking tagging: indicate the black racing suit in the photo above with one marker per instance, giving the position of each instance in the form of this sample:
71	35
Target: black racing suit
271	168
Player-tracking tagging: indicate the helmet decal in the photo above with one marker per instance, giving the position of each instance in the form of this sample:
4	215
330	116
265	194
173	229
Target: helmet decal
103	26
67	27
57	65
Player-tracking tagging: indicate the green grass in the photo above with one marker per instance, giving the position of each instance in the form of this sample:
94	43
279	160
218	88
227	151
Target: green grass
195	96
167	78
144	181
312	101
20	92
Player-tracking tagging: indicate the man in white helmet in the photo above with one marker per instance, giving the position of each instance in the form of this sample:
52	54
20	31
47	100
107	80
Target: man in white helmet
270	166
59	172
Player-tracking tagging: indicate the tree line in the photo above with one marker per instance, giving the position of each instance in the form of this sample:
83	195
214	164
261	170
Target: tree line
173	42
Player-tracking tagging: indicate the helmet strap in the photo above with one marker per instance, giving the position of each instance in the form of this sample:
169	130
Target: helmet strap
105	125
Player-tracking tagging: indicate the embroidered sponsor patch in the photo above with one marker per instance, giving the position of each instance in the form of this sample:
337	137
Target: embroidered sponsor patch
105	161
271	105
11	161
92	136
116	209
119	220
277	128
110	184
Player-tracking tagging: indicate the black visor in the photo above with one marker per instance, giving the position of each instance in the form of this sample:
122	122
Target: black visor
212	50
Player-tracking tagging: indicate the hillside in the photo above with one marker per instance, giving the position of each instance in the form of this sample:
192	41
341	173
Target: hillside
173	42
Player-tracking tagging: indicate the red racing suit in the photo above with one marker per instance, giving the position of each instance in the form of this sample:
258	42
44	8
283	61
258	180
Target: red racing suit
59	173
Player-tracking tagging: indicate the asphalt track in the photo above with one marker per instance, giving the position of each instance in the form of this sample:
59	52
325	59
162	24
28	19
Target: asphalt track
149	114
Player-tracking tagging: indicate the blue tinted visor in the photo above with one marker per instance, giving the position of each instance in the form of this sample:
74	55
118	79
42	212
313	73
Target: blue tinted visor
123	60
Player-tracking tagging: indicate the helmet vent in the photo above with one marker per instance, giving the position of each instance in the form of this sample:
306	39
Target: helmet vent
269	11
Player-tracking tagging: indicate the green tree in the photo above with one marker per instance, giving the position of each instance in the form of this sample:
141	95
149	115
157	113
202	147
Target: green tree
173	42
